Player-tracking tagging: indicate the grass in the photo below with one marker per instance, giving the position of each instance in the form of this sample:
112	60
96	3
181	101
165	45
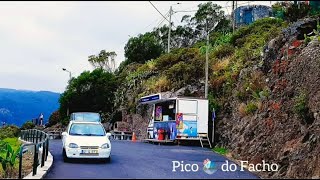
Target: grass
220	150
15	144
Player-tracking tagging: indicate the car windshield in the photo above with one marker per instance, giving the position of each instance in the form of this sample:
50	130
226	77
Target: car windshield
85	129
90	117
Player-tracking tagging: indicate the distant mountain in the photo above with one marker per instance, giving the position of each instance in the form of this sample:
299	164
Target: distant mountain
18	106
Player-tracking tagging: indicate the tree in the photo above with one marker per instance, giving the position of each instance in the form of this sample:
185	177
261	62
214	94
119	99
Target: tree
142	48
27	125
207	16
54	118
191	31
105	60
91	91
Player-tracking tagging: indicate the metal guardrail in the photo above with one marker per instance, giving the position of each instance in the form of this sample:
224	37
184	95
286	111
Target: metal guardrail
121	135
38	139
54	133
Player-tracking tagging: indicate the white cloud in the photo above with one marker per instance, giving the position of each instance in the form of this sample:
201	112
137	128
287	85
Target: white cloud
39	38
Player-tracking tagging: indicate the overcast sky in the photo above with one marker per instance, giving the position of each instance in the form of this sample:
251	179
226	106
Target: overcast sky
38	39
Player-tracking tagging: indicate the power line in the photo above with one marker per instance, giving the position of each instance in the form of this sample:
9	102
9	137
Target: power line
162	20
159	11
175	18
187	11
145	28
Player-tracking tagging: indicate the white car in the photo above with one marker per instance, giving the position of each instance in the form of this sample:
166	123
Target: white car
86	140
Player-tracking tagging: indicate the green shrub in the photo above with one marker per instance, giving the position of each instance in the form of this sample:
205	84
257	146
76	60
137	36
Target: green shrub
220	150
222	51
241	95
54	118
8	158
65	121
294	12
251	107
301	107
257	33
213	103
14	142
27	125
307	39
9	132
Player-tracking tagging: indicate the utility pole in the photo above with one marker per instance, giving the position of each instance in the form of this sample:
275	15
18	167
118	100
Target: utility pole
207	57
233	17
64	69
170	13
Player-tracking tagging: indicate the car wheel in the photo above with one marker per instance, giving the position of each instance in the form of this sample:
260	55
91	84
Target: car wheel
64	155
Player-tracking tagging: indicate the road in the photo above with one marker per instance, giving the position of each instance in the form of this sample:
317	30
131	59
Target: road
142	160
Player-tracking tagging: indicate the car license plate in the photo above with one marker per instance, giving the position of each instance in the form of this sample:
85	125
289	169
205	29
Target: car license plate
89	151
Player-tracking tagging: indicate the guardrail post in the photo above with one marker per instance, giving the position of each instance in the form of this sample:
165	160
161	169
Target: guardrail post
35	159
38	139
32	135
29	136
47	148
20	162
37	136
43	154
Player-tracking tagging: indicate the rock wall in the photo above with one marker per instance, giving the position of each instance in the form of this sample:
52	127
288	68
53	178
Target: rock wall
276	133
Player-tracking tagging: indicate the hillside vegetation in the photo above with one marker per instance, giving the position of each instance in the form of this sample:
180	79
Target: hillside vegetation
263	84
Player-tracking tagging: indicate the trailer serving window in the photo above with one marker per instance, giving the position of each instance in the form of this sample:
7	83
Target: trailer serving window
165	111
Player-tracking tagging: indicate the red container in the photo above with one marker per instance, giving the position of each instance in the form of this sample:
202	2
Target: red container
160	134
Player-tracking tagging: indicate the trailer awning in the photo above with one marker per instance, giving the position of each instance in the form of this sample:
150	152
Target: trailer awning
154	98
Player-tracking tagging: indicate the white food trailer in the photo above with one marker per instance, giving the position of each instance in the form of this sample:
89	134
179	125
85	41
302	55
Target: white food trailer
177	118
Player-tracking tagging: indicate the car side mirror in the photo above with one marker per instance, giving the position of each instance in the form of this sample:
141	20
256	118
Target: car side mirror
108	135
64	134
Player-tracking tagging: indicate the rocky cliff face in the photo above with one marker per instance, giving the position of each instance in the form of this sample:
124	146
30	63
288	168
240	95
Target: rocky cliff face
286	127
271	111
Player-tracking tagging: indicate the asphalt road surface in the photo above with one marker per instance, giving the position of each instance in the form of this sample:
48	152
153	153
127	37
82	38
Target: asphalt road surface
142	160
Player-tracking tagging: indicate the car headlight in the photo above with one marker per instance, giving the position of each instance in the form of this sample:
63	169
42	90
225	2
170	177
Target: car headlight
73	145
105	146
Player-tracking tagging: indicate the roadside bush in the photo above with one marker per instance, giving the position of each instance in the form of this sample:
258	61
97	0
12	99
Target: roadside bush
220	150
242	110
293	12
213	103
241	95
9	132
65	121
265	28
27	125
179	74
54	118
162	84
220	65
8	158
251	108
176	56
222	51
301	107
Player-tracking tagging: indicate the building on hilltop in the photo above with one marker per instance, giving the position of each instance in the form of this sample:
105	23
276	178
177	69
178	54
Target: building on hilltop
245	15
